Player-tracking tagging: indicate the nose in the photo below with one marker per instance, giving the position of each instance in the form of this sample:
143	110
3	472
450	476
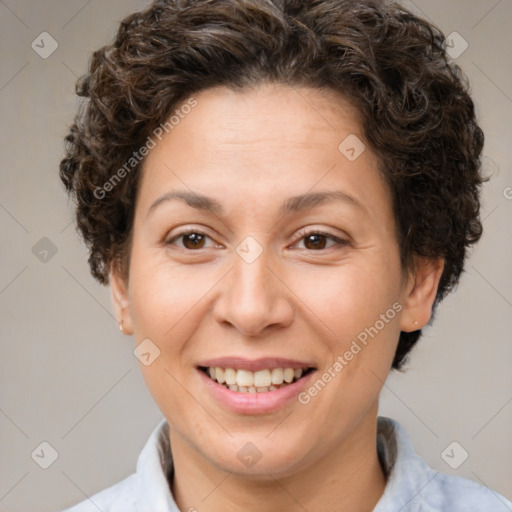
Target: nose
254	298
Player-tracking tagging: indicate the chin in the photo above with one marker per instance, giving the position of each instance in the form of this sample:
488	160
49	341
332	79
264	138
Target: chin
255	457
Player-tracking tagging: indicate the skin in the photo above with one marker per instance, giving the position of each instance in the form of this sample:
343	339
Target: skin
250	151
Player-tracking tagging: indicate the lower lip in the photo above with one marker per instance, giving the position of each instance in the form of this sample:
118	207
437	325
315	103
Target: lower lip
255	403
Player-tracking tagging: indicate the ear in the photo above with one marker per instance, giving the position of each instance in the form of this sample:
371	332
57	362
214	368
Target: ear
421	292
120	299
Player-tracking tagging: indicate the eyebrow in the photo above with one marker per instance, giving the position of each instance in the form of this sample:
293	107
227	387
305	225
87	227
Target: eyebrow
293	204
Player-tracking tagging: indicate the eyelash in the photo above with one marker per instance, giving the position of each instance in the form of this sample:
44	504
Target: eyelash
302	235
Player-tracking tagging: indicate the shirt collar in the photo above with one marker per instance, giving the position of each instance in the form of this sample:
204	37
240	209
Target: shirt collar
407	473
154	466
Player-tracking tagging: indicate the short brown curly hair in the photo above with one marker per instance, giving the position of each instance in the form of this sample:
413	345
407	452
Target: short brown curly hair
416	112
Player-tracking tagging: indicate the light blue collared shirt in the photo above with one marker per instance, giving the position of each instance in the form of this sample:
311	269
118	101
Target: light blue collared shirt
412	486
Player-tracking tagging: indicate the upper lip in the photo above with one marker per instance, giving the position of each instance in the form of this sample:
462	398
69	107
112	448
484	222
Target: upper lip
263	363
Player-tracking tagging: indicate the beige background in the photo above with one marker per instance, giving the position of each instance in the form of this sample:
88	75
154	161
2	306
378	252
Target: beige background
69	377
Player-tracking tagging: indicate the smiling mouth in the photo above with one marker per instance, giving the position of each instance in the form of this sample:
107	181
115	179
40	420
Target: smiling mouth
262	381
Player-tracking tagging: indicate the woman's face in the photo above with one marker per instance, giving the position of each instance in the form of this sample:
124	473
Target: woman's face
277	256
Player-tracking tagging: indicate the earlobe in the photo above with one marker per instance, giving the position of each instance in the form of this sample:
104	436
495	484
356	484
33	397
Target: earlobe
120	301
421	293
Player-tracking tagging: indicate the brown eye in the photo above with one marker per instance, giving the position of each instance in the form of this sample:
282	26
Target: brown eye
318	241
191	240
315	241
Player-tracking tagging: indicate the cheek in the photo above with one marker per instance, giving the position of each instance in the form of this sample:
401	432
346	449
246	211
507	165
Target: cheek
351	297
167	302
360	305
165	297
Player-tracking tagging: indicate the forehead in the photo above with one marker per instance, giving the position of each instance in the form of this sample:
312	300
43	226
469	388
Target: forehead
271	141
268	115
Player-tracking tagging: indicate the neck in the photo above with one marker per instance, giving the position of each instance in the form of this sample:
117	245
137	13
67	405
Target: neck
348	477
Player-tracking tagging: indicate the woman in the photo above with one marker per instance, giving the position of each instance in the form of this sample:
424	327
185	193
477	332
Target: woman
279	195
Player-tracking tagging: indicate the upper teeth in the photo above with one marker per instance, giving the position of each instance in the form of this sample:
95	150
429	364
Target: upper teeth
259	379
